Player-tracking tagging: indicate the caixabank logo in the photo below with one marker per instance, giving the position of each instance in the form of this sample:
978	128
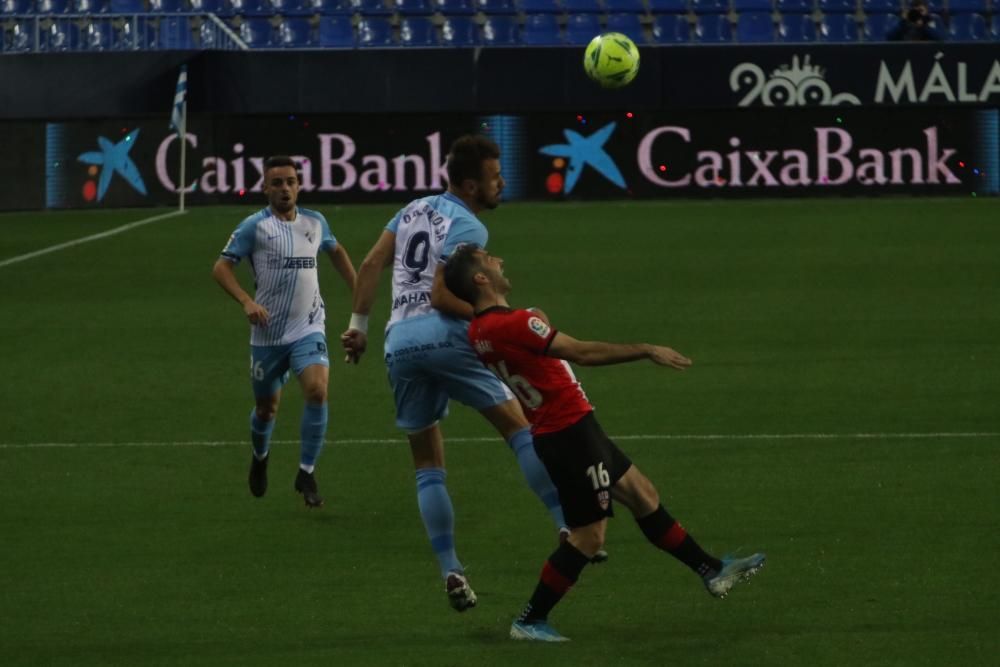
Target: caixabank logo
578	153
88	168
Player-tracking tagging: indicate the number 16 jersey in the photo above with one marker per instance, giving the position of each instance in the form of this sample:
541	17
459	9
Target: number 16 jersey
513	344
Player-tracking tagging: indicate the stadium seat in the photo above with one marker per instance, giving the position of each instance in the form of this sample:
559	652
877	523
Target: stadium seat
624	6
174	34
459	31
206	7
671	29
540	6
166	6
52	6
127	6
753	5
89	6
336	32
417	31
21	38
878	25
62	35
840	28
713	29
668	6
295	33
541	30
454	7
375	31
15	7
97	35
581	28
494	7
332	7
135	34
629	25
881	6
293	7
796	28
582	7
796	6
754	27
838	6
371	8
500	31
970	7
250	8
710	6
413	7
968	28
256	32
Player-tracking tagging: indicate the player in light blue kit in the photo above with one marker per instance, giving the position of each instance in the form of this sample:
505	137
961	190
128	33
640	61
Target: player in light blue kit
426	346
286	316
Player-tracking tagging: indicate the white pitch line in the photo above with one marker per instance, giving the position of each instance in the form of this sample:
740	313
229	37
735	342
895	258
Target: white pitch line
947	435
87	239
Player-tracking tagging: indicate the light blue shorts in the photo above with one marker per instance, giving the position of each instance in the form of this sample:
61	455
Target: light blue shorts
429	361
269	364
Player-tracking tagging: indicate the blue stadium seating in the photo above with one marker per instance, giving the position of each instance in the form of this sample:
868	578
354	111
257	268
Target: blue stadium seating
796	28
414	7
249	7
293	7
336	31
581	28
374	31
880	6
796	6
295	33
541	30
492	7
668	6
202	6
838	6
21	37
454	7
970	7
838	28
753	5
138	33
11	7
629	25
97	35
52	6
624	6
710	6
89	6
582	7
671	29
333	7
371	8
459	31
968	28
256	32
540	6
754	27
62	35
500	31
996	25
877	25
417	31
713	29
174	34
166	6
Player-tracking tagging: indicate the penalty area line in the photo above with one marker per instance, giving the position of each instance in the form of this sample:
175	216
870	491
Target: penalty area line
944	435
87	239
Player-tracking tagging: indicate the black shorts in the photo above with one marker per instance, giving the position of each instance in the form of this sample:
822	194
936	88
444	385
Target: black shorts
584	464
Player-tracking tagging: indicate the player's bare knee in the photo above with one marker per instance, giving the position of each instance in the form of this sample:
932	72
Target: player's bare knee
266	413
588	539
315	394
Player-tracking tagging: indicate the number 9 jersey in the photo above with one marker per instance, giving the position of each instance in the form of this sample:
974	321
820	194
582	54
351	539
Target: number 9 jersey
513	344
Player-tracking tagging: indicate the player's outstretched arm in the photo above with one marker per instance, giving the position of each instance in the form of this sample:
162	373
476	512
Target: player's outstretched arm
445	301
226	277
355	338
597	353
342	263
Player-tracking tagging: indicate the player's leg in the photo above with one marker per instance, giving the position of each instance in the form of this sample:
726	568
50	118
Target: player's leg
310	361
635	491
268	372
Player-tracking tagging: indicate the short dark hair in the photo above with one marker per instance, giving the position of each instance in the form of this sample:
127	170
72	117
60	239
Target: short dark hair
459	271
279	161
466	157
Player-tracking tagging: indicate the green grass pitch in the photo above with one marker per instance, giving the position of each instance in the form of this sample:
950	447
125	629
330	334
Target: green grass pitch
129	536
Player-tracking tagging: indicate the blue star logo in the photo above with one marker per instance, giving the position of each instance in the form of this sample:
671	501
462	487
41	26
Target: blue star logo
113	158
581	151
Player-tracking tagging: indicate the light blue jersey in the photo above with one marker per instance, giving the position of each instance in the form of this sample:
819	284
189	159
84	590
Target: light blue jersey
283	260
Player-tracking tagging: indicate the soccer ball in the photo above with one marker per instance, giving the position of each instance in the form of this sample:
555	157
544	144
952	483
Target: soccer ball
611	59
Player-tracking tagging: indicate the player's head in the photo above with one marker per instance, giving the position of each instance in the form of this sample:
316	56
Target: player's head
471	273
281	183
474	171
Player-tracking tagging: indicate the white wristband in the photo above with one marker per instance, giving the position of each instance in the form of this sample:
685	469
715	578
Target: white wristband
359	323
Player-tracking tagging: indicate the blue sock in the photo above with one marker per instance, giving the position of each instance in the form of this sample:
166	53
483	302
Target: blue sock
535	474
312	431
438	516
260	435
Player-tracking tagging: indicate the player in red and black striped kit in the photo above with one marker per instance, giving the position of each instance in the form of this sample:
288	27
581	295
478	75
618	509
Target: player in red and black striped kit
586	467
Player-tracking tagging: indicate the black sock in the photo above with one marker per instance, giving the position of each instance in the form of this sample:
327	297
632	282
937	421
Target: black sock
559	573
666	533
